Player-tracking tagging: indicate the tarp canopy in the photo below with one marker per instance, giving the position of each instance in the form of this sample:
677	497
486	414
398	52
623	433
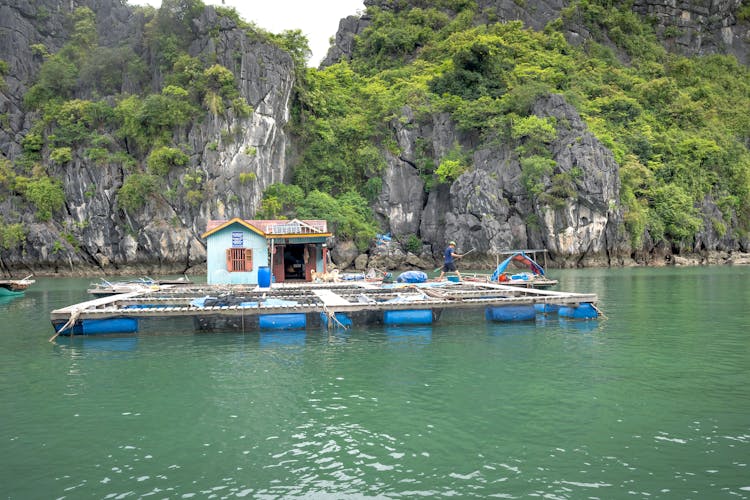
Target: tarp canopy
520	261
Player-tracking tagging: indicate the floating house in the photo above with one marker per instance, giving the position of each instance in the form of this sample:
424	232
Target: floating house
293	306
263	251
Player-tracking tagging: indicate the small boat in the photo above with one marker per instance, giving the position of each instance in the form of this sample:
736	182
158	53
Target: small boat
518	270
105	288
183	280
529	273
12	288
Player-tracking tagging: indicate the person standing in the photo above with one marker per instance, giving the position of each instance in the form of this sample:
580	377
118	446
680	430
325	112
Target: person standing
449	257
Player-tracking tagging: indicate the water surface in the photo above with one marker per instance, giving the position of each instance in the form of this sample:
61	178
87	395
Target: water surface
653	402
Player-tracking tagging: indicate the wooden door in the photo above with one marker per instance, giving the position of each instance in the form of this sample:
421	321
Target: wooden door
278	263
311	261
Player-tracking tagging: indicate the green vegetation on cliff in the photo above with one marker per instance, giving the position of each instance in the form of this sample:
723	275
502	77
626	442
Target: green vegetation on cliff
678	126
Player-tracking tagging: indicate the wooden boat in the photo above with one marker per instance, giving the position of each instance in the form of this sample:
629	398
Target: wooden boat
11	288
184	280
105	288
519	269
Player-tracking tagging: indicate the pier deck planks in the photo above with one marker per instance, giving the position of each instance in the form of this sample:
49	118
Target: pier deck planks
332	298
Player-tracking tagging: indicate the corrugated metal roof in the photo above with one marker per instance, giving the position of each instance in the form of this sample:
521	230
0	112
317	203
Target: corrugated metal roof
274	227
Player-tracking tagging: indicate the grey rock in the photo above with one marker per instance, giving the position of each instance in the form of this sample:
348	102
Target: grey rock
344	253
360	263
165	233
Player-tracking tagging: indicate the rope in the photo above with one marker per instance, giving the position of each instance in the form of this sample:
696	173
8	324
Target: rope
332	318
599	311
74	314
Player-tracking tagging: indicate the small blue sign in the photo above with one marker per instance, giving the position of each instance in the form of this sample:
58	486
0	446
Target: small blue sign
237	239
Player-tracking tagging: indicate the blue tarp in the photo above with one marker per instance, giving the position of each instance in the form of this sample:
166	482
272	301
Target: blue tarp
412	277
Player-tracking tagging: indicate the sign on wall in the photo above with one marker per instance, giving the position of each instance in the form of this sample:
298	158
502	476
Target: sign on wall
237	239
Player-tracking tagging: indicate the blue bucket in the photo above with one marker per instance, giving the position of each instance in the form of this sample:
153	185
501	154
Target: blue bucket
264	276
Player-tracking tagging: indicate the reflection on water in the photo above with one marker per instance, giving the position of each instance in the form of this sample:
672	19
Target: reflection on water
651	402
409	334
282	338
107	343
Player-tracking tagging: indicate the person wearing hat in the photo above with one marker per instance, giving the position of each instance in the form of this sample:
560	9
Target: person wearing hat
450	264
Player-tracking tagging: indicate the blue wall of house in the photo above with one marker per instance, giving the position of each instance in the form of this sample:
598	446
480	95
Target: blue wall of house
234	236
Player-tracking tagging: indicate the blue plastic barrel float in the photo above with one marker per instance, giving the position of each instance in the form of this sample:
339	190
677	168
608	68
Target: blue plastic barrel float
546	308
76	329
109	325
586	310
288	321
264	276
408	317
510	313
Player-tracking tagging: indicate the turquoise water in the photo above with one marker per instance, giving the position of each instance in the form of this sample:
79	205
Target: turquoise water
653	402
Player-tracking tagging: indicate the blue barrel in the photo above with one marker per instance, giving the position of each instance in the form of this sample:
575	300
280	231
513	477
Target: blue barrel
110	325
288	321
583	311
77	329
408	317
546	308
510	313
264	276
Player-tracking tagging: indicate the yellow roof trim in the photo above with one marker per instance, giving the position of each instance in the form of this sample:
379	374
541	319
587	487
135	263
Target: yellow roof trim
228	223
300	235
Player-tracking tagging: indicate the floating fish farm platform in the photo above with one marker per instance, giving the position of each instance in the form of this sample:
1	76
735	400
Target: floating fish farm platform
334	305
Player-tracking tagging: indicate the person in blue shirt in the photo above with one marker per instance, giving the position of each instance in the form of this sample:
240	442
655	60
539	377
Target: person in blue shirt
449	265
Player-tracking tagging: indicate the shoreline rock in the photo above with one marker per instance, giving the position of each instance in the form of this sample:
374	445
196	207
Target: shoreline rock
408	262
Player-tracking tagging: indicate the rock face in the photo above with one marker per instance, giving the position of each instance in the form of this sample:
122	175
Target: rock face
343	44
700	28
490	210
690	28
232	158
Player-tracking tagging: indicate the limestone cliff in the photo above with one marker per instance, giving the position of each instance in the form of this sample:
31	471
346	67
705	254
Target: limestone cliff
234	157
488	208
94	232
690	28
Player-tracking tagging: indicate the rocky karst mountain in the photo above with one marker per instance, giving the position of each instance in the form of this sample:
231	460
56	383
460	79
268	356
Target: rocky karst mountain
233	157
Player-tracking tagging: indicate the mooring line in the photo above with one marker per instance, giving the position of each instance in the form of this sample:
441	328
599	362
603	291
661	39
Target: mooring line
74	314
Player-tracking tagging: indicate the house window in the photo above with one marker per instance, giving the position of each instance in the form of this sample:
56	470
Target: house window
239	259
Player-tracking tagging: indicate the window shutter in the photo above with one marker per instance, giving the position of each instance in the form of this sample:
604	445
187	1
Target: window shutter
229	260
248	259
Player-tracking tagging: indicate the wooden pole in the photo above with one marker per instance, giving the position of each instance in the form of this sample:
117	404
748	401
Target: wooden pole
464	255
